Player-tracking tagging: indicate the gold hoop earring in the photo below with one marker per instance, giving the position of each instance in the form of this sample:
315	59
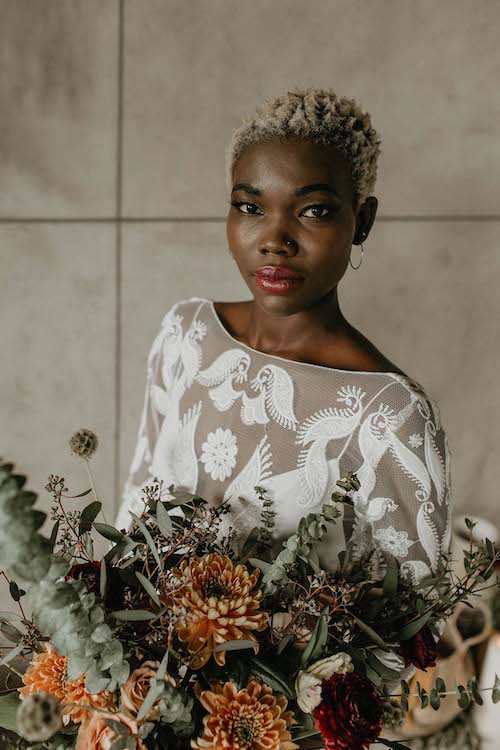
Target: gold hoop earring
361	260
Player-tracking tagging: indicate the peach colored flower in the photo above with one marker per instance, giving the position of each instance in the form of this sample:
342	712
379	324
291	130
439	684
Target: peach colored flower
94	734
48	672
77	693
134	690
252	718
216	602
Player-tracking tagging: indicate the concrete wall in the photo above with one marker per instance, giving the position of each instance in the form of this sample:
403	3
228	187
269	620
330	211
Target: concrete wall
114	118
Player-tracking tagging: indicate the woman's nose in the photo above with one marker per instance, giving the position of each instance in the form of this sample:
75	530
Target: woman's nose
278	243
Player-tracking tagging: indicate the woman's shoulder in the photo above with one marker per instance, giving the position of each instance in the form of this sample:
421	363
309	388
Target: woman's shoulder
184	307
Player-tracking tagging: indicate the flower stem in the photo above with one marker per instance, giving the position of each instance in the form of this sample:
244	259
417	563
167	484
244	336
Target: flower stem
87	464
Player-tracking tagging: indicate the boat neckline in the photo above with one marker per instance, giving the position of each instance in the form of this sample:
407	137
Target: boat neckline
391	374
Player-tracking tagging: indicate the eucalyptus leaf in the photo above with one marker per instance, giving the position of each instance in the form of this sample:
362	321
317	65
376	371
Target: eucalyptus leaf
370	633
271	677
88	515
9	703
235	645
149	588
495	696
109	532
162	669
434	699
64	597
11	632
464	700
163	520
283	643
440	685
155	690
148	538
317	641
390	582
121	671
250	541
82	494
53	535
6	658
103	579
385	672
133	615
261	564
306	733
413	627
181	497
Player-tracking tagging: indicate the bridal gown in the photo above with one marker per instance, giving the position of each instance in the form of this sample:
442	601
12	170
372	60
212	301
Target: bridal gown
220	418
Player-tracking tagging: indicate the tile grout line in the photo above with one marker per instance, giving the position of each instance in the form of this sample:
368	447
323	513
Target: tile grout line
119	219
118	260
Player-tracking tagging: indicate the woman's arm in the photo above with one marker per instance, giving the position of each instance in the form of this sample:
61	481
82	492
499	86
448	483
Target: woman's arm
414	475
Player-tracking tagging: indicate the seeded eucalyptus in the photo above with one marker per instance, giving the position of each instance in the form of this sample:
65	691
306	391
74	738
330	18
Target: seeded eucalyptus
82	634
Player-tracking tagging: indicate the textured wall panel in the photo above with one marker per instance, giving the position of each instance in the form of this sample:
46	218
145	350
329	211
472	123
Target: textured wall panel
58	94
58	353
425	71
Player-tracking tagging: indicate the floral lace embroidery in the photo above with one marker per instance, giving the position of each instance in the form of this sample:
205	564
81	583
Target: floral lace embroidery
258	412
219	453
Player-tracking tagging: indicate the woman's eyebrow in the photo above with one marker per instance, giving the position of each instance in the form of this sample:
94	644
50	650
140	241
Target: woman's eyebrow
316	187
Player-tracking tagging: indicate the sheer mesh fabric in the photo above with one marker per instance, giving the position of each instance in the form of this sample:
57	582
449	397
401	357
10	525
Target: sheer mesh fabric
220	418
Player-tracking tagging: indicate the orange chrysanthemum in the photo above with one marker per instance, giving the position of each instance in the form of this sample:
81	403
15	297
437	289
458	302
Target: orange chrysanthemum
48	672
252	718
216	602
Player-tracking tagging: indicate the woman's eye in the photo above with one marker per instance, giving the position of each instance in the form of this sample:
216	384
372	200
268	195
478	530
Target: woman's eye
238	204
318	207
251	209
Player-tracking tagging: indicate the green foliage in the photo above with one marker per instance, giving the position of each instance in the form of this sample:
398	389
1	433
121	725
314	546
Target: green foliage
9	703
81	635
302	544
317	642
272	677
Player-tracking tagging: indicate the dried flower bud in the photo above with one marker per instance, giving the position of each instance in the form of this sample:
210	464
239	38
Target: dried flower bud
83	443
39	717
393	714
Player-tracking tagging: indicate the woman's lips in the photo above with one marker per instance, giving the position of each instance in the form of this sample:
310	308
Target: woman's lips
277	286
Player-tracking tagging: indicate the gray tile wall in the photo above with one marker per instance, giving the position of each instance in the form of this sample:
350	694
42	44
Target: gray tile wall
115	114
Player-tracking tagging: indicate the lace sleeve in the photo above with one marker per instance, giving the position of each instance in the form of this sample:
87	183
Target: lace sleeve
139	473
414	481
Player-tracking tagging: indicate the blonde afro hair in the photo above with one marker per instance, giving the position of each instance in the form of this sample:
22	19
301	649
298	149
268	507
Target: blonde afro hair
320	116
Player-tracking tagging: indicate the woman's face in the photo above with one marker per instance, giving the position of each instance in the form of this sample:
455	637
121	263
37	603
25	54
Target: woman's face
300	192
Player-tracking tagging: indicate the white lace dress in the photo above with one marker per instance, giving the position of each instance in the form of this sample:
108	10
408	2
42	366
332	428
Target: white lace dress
220	418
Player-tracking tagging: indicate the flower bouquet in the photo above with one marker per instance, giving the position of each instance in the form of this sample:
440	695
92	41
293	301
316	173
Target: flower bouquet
173	640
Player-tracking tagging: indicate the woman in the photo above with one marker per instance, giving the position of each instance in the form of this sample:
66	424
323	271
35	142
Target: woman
281	391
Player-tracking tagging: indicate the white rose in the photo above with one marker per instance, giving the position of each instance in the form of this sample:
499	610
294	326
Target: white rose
308	681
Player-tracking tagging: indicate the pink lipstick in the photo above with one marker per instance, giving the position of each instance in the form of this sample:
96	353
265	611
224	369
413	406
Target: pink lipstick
277	279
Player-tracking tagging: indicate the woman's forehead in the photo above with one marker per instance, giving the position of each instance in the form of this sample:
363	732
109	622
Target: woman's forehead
296	162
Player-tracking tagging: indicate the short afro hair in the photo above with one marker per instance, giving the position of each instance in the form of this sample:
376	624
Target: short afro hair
318	115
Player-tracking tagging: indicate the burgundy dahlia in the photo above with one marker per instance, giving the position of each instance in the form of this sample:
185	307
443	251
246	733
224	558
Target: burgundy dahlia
90	572
350	713
421	650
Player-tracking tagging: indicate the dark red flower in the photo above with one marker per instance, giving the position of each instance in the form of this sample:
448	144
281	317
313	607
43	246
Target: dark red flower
350	713
90	572
421	650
